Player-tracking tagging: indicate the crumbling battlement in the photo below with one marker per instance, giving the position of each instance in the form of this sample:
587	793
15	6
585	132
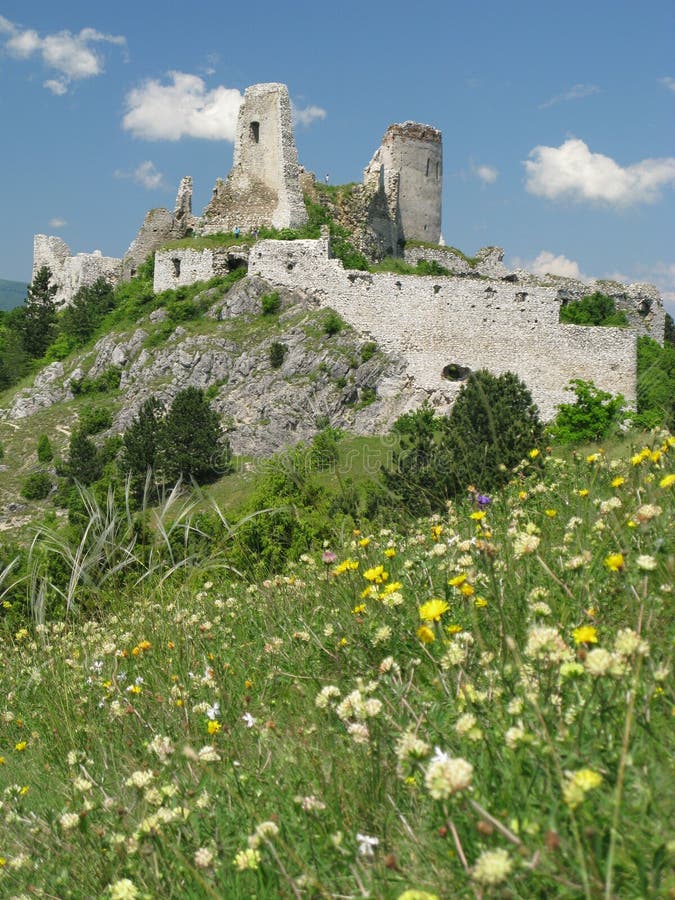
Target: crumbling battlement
71	272
453	321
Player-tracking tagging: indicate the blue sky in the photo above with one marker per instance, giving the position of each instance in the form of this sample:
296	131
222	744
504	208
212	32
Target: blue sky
558	119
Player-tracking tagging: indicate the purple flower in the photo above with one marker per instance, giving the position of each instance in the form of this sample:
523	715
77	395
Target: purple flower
328	557
483	500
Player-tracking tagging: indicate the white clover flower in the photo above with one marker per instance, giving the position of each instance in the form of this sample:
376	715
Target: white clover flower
544	642
208	754
162	746
629	642
139	779
247	859
325	695
409	746
358	731
492	867
455	655
598	662
203	858
514	736
124	889
524	543
69	820
646	563
446	776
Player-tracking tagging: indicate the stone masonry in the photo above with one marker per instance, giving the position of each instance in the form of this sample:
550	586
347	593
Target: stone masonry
71	272
263	188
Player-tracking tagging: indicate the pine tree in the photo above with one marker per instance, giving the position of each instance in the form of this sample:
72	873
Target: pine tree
39	314
140	443
192	445
84	460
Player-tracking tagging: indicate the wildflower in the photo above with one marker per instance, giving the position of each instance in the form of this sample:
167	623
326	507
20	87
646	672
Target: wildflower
21	746
425	634
584	492
436	532
212	712
522	495
579	784
614	562
358	732
593	457
647	512
478	515
446	775
409	746
325	695
69	820
376	574
349	565
467	590
247	859
364	542
480	602
432	610
629	642
213	727
310	803
492	867
598	662
525	543
585	634
551	513
467	726
203	858
417	895
248	720
366	844
457	580
667	481
514	736
390	552
139	779
124	889
534	453
544	642
328	557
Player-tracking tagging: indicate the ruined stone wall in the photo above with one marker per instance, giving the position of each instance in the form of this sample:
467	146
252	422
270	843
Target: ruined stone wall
176	268
476	323
263	187
71	272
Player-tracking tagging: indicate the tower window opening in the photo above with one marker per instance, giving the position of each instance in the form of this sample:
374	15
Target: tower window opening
428	166
254	130
176	267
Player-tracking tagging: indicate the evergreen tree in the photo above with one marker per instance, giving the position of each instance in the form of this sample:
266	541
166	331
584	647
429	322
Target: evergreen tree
84	461
191	442
39	317
88	307
140	443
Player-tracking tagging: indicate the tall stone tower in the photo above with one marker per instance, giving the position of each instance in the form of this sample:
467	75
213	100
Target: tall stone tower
263	187
408	166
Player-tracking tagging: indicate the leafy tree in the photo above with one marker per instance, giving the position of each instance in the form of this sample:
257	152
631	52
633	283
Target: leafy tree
39	318
140	443
655	384
591	417
594	309
45	453
191	442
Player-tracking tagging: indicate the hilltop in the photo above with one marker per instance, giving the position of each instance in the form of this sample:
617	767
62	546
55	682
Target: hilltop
12	293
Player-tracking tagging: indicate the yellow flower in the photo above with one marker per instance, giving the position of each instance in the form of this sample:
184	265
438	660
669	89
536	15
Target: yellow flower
467	589
453	629
436	531
614	562
618	481
478	515
457	580
21	746
349	565
2	760
376	574
213	727
522	495
587	779
134	689
390	552
533	454
583	492
390	588
480	602
593	457
655	455
551	513
425	634
585	634
359	609
432	610
667	481
364	542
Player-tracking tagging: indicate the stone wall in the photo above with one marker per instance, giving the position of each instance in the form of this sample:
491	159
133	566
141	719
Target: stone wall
71	272
473	323
175	268
263	188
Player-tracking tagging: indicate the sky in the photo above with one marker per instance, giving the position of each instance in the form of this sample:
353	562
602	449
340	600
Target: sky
558	119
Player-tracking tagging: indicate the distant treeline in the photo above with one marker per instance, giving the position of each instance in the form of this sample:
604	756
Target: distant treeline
12	293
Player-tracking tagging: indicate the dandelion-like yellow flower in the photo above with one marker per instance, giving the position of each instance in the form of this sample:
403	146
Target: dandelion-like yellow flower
667	481
436	531
585	634
467	589
432	610
618	481
391	588
593	457
349	565
533	454
457	580
390	552
480	602
479	514
551	513
377	575
21	746
213	727
584	492
453	629
522	495
364	542
425	634
615	562
359	609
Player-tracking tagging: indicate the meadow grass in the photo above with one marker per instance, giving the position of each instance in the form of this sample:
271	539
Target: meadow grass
476	705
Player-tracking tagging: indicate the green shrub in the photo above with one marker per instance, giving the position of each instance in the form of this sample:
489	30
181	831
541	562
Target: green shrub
655	384
271	303
94	419
590	418
37	486
368	350
45	453
594	309
333	323
368	395
105	383
277	353
324	450
2	452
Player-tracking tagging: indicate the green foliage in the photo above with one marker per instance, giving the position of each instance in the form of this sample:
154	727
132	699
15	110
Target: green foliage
45	453
94	419
2	452
37	486
590	418
140	444
490	430
594	309
656	384
277	353
84	464
87	310
368	350
399	266
332	323
106	383
39	320
669	330
191	442
325	446
271	303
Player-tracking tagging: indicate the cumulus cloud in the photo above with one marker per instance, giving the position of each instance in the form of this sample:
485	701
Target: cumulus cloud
307	115
146	174
576	92
486	174
572	172
548	263
182	108
57	222
70	55
668	82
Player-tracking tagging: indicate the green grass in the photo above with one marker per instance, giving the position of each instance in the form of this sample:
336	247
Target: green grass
149	739
472	261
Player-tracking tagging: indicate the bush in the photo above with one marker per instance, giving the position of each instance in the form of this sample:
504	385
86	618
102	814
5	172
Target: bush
94	419
105	383
595	309
590	418
333	323
37	486
655	384
271	303
277	353
325	448
45	453
368	350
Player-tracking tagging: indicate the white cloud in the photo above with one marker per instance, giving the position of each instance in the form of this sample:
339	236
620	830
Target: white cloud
71	55
548	263
183	108
668	82
57	222
307	115
576	92
572	172
146	174
487	174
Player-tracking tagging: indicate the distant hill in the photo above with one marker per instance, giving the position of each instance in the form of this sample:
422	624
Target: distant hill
12	293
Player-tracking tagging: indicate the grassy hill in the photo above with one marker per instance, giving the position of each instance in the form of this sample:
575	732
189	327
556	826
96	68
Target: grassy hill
474	705
12	293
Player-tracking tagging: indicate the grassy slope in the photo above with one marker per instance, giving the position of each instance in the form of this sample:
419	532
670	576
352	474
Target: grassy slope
151	742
